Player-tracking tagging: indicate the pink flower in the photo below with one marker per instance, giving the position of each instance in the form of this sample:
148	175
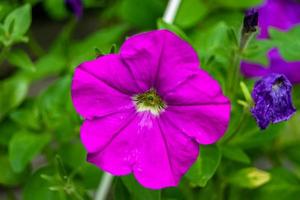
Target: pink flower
148	108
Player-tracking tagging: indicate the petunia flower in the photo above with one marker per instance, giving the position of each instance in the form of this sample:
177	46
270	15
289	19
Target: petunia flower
148	108
276	65
272	98
75	6
281	14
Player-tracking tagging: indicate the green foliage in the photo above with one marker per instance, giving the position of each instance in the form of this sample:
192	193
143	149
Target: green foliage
142	14
38	188
190	13
8	176
283	185
23	147
288	43
41	155
163	25
239	4
205	166
139	192
20	58
235	154
13	92
55	8
16	24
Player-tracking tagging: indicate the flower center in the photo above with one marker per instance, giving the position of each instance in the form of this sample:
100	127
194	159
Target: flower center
277	85
149	101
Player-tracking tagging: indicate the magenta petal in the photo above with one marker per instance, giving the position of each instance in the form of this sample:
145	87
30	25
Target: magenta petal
165	154
199	109
253	70
199	89
205	123
281	14
102	86
156	152
97	132
111	142
159	59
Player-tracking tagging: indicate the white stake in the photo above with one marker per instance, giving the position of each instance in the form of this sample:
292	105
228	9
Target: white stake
171	11
104	186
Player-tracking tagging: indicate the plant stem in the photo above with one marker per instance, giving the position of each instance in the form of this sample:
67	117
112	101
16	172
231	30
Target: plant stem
245	38
234	79
238	128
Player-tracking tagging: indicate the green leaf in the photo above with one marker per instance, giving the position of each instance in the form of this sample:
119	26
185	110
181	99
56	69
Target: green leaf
239	3
205	166
55	8
103	39
190	12
7	129
120	191
57	110
8	176
90	175
18	22
48	65
142	14
214	42
23	147
249	178
139	192
13	92
163	25
287	42
20	58
37	188
5	8
251	136
27	116
73	154
236	154
257	51
2	34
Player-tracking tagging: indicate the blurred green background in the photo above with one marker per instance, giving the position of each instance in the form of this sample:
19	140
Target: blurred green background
41	157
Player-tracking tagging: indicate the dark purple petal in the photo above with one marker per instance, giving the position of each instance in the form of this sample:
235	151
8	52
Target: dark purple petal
250	21
272	98
75	6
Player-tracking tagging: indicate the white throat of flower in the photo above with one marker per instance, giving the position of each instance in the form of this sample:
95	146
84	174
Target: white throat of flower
149	101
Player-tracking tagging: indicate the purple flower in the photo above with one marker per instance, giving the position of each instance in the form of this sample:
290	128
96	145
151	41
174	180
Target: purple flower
148	108
276	65
281	14
272	98
75	6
